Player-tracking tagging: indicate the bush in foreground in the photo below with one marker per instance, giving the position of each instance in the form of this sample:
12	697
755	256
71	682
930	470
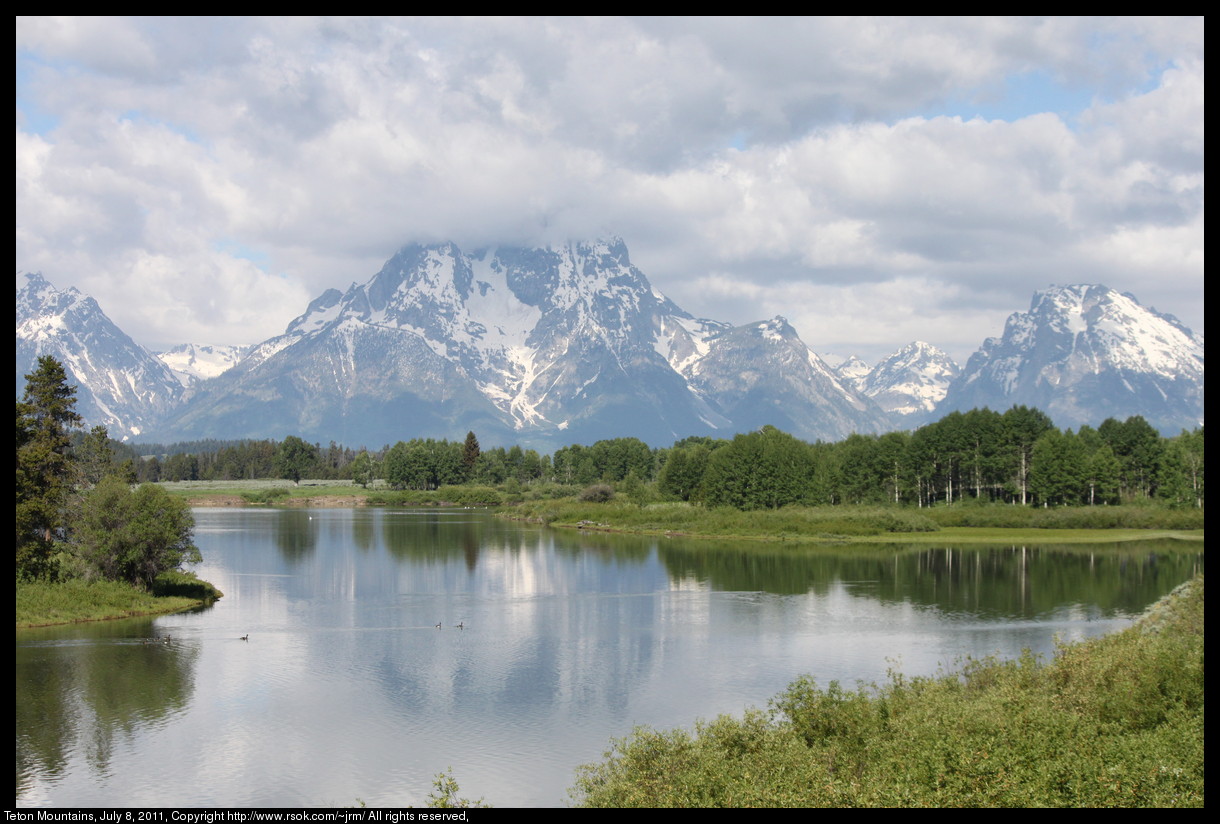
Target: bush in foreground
1113	722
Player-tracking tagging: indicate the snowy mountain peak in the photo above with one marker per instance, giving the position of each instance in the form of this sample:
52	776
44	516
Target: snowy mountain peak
119	383
549	345
42	309
570	343
912	381
853	371
1083	353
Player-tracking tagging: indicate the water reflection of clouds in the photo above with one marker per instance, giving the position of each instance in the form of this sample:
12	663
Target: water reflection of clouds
347	690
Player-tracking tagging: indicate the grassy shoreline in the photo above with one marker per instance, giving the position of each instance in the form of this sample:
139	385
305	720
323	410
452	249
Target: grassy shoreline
861	524
42	604
957	524
958	536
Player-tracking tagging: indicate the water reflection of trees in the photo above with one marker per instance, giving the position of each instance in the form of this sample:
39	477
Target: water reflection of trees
295	535
437	535
1024	581
94	693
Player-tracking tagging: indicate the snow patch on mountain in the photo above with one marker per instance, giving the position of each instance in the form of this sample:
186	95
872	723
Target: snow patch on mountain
194	362
1083	353
120	385
911	382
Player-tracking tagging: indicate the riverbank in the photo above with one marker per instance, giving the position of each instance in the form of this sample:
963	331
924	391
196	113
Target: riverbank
959	524
995	524
42	604
1113	722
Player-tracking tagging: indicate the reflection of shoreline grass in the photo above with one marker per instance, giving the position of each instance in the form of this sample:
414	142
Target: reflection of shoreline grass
41	604
964	535
1116	721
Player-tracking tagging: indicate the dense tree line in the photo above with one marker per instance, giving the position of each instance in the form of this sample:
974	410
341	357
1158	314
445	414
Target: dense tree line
77	513
1017	457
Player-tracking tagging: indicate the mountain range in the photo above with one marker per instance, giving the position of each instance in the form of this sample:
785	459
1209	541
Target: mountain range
569	344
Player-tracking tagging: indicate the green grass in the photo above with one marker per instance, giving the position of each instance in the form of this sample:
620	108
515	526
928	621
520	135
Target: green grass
1127	516
266	490
863	523
1114	722
41	603
285	493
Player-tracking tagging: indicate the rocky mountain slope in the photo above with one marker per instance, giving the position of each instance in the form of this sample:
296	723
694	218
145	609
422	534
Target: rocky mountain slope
543	346
1083	353
121	385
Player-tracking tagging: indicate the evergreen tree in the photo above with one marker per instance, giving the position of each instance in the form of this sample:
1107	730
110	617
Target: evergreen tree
682	473
766	469
1020	428
470	453
1138	448
363	469
862	471
45	415
95	456
1180	477
892	465
1103	475
1058	468
981	464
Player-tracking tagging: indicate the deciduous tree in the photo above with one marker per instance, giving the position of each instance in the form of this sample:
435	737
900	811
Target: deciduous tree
133	536
294	457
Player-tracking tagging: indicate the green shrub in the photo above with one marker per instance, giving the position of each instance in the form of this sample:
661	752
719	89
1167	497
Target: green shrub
1117	721
265	496
1012	516
597	493
176	583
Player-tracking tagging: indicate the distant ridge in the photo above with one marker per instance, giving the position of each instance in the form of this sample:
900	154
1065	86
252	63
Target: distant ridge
564	344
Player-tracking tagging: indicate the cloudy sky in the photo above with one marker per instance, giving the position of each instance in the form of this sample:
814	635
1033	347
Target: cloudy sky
875	181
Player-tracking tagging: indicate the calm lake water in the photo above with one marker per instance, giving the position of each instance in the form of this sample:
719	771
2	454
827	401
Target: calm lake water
346	691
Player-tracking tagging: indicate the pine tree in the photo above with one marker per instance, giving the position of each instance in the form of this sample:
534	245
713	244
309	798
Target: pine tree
95	457
470	452
45	415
